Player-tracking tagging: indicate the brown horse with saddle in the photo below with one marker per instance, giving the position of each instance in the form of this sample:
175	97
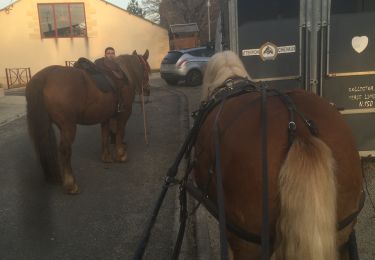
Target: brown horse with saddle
284	167
85	94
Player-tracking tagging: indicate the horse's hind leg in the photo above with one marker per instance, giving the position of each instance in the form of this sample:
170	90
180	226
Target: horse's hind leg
121	153
66	140
106	154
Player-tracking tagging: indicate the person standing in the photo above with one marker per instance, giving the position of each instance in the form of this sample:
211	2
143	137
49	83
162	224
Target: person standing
108	64
110	55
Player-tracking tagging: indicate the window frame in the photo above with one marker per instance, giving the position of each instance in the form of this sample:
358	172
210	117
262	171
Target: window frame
55	29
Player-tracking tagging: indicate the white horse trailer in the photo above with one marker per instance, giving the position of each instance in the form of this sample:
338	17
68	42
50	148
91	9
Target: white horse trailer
324	46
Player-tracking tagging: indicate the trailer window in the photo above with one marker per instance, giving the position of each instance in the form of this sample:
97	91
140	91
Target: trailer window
352	6
255	10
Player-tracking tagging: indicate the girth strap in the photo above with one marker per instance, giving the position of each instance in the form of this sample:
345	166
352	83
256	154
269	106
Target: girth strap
212	208
249	236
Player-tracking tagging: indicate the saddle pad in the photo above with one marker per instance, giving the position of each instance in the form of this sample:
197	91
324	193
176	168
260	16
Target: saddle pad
103	83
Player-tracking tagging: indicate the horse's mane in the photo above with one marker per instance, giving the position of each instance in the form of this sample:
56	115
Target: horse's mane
131	66
220	67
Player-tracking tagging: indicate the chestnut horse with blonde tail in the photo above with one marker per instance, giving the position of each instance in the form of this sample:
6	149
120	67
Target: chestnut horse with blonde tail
314	170
67	96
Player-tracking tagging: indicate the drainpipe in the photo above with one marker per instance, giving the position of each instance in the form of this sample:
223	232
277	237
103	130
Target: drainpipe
233	25
315	26
303	43
323	42
224	25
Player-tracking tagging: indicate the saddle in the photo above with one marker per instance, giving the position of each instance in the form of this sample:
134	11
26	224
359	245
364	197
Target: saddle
106	74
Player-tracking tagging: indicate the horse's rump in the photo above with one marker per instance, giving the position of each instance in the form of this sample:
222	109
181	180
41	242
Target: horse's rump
240	142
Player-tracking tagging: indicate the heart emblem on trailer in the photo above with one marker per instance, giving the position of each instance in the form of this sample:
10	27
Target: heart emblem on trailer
359	43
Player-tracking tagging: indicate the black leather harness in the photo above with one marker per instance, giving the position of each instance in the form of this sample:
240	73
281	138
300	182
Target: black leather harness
231	88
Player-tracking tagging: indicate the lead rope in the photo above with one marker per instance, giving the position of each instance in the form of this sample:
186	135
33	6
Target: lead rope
144	116
140	58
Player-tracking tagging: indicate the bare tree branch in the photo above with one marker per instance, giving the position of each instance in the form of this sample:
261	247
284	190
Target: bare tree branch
189	11
151	10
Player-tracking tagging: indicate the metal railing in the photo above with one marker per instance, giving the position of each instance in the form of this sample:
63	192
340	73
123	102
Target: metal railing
17	77
69	63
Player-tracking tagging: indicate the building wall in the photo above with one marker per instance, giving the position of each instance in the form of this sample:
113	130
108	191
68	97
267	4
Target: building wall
21	44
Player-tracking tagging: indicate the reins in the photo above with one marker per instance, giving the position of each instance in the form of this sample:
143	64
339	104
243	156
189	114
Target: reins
170	179
232	88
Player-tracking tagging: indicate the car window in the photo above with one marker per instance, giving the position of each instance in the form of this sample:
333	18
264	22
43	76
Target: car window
201	53
172	57
209	52
196	53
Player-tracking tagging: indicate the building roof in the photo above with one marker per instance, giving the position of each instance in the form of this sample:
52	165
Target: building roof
11	2
184	28
9	5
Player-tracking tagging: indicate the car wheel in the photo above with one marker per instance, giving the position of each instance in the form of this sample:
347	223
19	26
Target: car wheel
171	81
194	78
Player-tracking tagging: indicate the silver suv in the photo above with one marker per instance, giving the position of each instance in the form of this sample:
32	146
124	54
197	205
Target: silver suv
187	64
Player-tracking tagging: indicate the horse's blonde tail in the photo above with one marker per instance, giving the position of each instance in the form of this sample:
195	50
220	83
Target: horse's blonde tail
306	228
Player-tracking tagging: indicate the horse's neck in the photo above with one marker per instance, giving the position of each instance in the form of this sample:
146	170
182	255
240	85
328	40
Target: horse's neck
134	70
136	77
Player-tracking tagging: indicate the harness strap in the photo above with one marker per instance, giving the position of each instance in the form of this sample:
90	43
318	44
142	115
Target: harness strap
212	208
292	127
352	246
265	192
183	219
219	185
349	219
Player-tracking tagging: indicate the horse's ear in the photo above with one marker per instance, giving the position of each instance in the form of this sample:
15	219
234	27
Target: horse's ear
145	56
135	52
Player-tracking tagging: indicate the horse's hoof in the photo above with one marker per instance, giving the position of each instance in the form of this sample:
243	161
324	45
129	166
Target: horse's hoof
107	159
122	158
72	190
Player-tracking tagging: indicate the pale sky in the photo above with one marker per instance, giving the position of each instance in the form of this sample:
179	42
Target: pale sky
121	3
